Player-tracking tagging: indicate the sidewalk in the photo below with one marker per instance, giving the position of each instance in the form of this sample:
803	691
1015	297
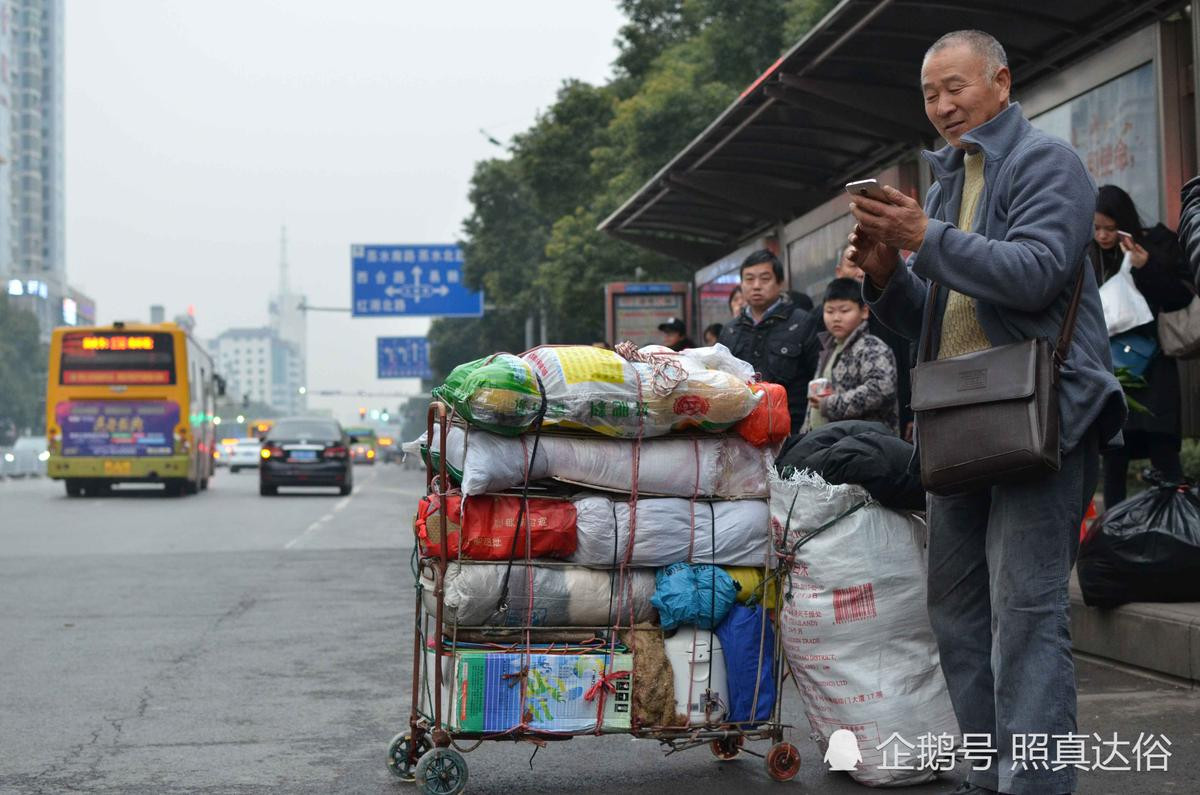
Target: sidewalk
1160	638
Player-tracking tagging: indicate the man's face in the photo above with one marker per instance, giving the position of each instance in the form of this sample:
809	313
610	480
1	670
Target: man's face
959	96
846	269
672	338
760	288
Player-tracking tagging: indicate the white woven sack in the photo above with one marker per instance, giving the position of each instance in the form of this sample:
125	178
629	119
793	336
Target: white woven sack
856	631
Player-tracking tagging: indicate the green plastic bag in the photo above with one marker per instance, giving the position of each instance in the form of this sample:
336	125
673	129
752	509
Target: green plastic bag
498	393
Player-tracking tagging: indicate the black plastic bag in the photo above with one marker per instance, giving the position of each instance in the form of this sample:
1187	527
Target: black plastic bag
1145	549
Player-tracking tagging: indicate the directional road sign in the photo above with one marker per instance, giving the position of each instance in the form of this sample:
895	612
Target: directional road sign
403	357
391	281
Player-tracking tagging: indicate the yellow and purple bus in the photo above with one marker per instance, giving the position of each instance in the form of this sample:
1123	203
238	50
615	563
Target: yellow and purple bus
130	403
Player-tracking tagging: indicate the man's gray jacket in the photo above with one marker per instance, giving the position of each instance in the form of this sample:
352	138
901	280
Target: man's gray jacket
1033	226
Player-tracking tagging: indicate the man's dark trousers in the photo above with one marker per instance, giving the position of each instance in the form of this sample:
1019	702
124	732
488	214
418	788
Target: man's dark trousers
999	565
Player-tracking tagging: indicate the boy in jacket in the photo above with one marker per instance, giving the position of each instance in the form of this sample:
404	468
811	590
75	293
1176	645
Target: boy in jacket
859	366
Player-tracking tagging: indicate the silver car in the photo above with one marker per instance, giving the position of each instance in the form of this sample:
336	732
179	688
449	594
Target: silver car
27	457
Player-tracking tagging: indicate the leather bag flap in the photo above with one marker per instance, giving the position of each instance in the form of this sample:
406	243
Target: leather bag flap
1008	372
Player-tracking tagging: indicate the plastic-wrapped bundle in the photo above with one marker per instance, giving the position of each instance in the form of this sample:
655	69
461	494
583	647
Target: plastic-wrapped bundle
600	390
717	466
740	530
563	596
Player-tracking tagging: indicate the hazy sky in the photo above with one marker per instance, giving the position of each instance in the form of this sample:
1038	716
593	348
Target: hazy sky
195	129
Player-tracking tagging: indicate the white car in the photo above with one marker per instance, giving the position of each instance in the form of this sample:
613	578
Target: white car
28	456
246	454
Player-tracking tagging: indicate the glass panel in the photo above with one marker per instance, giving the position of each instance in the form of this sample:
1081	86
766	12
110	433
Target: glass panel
1114	127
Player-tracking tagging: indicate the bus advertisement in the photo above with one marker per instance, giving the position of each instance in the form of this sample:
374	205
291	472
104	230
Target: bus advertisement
130	403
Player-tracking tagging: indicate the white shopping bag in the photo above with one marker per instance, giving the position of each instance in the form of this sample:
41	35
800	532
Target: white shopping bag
1124	306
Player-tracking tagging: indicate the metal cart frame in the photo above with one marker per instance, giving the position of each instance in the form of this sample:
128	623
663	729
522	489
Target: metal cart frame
428	753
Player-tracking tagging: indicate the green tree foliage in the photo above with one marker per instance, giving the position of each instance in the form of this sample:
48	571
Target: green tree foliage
22	371
531	241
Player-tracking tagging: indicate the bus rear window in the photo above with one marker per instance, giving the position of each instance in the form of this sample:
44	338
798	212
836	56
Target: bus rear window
109	358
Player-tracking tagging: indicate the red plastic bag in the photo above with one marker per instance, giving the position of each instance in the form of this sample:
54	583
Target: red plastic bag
770	422
491	523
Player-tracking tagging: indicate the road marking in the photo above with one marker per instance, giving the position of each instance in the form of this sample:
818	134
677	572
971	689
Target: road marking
315	526
310	530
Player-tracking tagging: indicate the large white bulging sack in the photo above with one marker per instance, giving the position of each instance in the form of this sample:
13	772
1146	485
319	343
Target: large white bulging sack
562	595
856	631
717	466
667	528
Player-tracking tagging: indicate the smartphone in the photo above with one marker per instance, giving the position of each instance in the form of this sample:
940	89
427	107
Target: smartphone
869	188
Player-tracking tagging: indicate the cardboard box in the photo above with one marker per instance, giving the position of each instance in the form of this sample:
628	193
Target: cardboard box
484	691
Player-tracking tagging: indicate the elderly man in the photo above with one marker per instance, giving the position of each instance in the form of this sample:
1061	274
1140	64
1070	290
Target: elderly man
1003	231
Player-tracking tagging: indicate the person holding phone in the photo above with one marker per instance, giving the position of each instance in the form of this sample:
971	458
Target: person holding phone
1003	231
1161	275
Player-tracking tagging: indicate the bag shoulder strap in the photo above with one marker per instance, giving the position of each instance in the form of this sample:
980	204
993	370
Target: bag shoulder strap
1068	328
1065	335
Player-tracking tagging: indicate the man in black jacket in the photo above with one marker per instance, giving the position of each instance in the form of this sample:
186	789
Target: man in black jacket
777	338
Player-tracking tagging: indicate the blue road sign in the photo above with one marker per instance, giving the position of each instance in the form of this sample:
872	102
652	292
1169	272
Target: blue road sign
403	357
393	281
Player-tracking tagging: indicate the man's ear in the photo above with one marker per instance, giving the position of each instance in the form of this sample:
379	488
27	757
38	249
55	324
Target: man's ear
1003	80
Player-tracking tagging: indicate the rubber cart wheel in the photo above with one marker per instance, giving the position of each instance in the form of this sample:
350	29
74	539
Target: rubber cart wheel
783	761
397	755
441	771
727	748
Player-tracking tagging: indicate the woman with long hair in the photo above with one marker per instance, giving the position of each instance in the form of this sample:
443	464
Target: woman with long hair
1161	275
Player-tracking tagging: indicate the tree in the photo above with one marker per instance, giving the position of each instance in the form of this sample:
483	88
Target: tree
22	371
531	240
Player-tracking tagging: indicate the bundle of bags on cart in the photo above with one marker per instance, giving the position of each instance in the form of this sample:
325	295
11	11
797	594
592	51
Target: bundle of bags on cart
600	488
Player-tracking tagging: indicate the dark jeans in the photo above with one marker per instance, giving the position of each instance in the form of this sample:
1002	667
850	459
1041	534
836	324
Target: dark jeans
1162	450
999	564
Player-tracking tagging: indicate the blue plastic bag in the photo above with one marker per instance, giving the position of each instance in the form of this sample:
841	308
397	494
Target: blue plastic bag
688	593
741	634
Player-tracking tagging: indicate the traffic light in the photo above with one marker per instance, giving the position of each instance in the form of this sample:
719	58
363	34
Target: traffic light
362	413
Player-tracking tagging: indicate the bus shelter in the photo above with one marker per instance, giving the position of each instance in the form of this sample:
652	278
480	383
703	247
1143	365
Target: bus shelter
1114	78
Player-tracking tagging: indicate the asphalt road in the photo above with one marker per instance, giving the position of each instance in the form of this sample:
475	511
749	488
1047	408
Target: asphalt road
229	643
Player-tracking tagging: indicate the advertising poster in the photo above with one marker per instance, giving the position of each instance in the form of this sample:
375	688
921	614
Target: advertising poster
108	428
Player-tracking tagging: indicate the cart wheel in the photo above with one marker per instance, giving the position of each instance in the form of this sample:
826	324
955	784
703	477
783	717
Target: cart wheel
727	748
397	755
783	761
442	771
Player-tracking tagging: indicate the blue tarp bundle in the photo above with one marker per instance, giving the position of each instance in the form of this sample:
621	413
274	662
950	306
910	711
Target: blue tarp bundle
741	636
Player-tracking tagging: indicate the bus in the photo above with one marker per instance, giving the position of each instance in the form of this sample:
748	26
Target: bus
130	403
364	444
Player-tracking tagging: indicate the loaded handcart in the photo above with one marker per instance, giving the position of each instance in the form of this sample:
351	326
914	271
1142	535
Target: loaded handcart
604	568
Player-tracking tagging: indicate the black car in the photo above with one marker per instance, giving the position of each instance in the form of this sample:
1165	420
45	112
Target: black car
305	451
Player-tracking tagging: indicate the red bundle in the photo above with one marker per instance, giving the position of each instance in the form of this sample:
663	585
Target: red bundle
491	524
770	422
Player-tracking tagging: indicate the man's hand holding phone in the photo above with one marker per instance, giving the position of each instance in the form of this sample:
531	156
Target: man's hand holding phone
888	221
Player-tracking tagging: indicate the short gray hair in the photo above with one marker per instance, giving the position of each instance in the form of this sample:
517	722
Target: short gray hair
982	44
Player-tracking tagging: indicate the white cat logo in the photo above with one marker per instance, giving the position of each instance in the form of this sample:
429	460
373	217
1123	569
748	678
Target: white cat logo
843	752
